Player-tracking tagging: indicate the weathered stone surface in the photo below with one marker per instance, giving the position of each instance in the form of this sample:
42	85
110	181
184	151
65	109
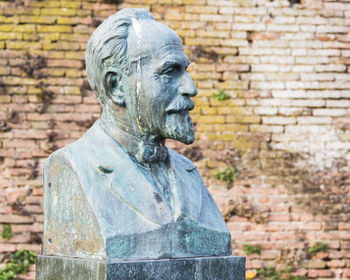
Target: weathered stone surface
220	268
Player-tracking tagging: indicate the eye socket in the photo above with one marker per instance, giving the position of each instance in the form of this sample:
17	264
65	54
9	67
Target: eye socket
171	70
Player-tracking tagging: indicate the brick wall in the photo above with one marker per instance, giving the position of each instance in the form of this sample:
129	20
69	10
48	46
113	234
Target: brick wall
282	132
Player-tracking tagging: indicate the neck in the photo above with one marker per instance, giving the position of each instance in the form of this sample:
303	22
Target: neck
124	130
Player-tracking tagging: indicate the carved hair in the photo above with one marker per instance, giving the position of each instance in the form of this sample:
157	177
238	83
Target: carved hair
108	47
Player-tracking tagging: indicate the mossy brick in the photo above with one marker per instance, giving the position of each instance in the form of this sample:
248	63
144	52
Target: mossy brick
142	1
10	36
202	41
230	127
74	37
212	34
186	33
46	4
54	28
51	37
82	29
5	99
34	98
34	37
211	119
71	4
224	103
34	90
242	119
58	12
181	16
11	80
72	90
243	144
55	72
229	110
316	264
205	75
25	28
84	13
208	111
17	45
17	28
234	84
205	84
201	9
64	63
205	127
38	19
62	46
49	54
196	111
200	101
104	13
213	136
4	71
266	128
11	19
74	20
73	73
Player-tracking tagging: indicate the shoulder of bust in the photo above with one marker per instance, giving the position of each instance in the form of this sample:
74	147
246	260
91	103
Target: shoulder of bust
180	159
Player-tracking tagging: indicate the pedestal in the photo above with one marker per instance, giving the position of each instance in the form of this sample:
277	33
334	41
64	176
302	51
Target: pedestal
211	268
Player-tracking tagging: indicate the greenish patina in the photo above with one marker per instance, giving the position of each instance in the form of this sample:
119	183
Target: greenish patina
118	193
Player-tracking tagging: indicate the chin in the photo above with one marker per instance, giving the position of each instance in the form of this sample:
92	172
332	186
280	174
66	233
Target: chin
180	129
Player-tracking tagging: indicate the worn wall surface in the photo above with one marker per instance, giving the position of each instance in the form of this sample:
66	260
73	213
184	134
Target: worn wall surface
281	133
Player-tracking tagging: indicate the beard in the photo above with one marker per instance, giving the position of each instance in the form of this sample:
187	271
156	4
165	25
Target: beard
179	127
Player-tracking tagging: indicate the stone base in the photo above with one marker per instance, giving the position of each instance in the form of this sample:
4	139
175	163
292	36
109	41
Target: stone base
220	268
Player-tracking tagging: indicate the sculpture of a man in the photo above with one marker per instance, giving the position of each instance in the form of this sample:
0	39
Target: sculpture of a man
118	193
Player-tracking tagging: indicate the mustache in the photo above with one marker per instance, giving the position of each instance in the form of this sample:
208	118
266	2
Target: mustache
180	105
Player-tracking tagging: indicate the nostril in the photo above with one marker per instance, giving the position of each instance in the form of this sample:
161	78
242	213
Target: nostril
188	92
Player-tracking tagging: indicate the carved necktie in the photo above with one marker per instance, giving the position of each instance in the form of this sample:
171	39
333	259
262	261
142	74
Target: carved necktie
150	153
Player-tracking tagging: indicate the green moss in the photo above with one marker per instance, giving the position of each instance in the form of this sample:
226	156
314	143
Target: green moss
317	247
270	273
18	264
252	249
228	175
7	232
221	95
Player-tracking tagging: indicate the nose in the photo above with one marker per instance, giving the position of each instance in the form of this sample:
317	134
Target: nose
187	87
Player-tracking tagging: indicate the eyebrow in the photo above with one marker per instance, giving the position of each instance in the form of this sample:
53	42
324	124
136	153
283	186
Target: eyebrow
173	61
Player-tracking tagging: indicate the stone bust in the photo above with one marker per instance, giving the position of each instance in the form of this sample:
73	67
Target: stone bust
118	193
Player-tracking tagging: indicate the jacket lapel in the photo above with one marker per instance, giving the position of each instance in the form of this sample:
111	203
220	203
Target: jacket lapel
125	178
186	186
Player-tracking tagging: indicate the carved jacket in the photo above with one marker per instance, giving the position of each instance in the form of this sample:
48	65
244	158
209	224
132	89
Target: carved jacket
100	203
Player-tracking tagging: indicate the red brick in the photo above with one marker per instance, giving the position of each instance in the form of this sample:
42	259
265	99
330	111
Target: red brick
15	219
336	263
320	273
6	247
13	194
27	228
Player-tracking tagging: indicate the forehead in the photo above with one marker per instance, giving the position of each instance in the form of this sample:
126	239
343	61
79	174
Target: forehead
157	43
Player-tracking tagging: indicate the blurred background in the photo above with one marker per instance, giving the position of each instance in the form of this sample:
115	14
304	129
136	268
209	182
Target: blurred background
272	121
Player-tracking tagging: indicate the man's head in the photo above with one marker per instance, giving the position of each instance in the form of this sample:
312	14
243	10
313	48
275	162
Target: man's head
138	64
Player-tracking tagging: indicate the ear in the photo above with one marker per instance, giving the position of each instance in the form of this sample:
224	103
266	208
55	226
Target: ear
113	87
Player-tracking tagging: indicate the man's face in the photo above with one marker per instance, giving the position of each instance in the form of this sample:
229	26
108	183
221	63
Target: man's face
158	90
